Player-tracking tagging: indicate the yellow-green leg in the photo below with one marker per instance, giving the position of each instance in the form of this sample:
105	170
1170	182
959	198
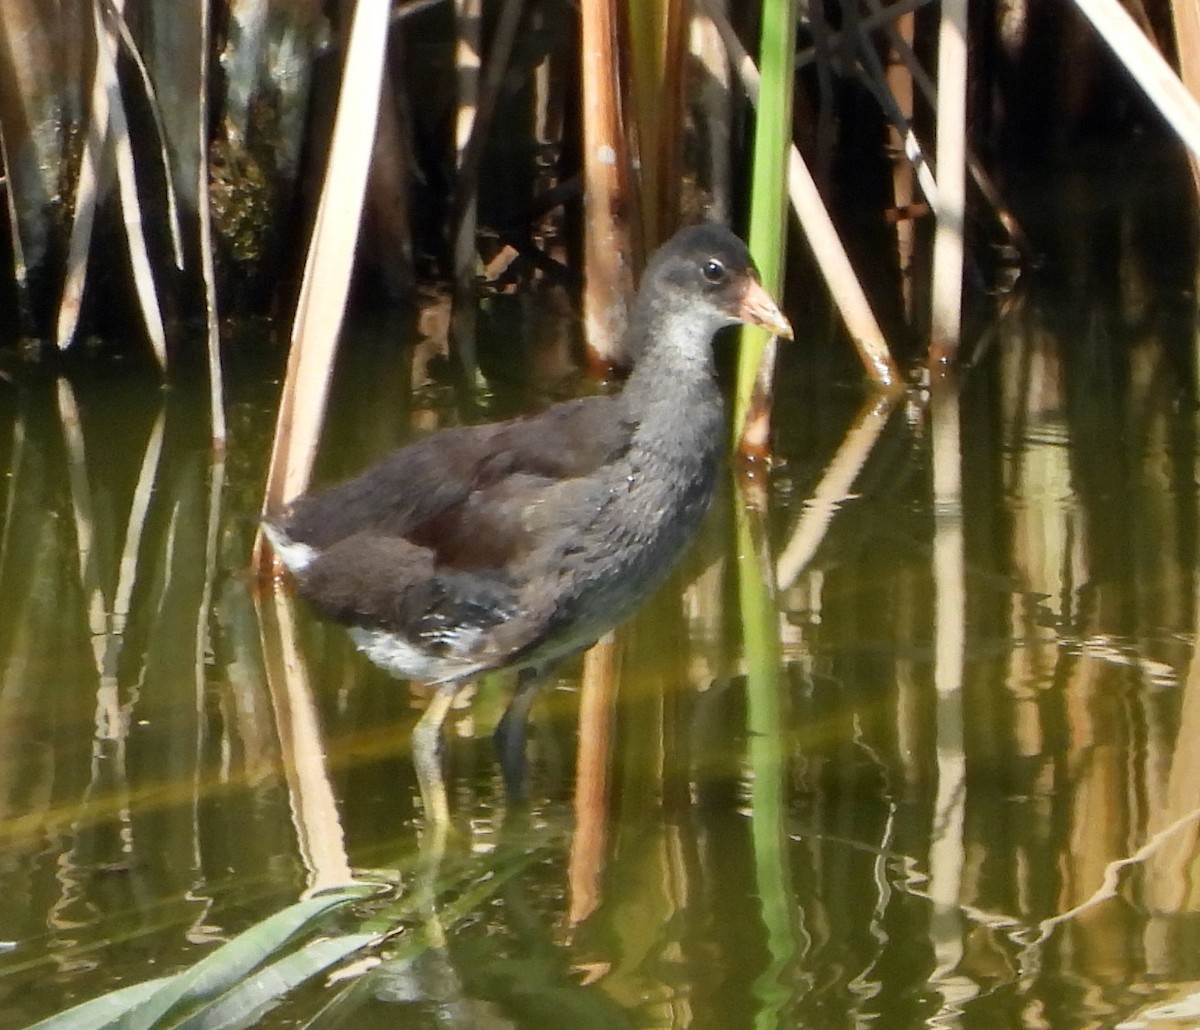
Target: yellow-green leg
426	738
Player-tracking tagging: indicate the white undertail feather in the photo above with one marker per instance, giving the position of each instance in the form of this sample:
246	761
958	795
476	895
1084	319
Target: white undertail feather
295	555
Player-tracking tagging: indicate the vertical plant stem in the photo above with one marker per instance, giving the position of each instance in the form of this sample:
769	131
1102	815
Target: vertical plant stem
900	86
822	236
115	10
216	379
607	254
87	192
658	32
948	251
677	15
468	27
765	728
1147	66
768	208
135	238
204	610
329	264
645	18
900	34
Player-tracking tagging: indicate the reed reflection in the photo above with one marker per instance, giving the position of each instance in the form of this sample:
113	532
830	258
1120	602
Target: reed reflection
938	770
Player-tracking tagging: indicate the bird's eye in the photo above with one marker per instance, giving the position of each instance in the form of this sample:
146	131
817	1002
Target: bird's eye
713	271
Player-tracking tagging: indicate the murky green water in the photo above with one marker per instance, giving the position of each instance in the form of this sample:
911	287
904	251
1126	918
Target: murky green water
944	775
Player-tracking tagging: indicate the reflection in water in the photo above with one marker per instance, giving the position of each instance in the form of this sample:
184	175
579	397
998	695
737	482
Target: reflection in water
314	808
938	773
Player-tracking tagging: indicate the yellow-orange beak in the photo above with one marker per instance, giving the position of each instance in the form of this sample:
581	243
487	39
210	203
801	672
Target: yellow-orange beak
758	307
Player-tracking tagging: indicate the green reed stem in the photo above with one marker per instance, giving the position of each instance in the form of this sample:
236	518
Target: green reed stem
765	727
768	197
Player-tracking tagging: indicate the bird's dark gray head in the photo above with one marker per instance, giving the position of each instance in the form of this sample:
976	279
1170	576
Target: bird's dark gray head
705	274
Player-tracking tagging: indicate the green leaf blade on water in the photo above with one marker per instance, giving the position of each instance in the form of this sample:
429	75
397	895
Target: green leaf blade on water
102	1011
234	961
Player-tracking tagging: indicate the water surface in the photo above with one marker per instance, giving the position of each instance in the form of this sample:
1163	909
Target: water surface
908	740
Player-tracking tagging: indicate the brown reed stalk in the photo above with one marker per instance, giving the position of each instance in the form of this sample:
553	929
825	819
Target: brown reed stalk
607	219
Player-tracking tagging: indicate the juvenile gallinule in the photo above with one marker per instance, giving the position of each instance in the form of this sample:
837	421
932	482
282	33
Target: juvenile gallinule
517	543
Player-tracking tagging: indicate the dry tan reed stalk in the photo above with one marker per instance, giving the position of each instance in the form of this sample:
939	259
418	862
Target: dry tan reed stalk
1147	66
755	440
106	114
114	9
948	247
328	266
468	29
87	192
127	187
216	378
946	848
655	98
900	39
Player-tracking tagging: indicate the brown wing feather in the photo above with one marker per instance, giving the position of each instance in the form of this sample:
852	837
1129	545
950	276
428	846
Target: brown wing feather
460	495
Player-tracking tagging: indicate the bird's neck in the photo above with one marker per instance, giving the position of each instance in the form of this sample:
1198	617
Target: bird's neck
672	392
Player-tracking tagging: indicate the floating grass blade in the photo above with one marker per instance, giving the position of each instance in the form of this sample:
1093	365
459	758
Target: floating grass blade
245	1004
236	960
103	1012
146	1005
